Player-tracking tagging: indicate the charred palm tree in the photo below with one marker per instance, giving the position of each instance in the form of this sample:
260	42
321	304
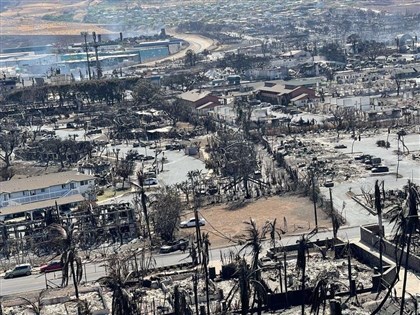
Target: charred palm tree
243	286
205	266
180	305
275	232
143	200
244	275
34	306
254	242
406	222
319	294
116	281
66	237
412	225
378	207
301	265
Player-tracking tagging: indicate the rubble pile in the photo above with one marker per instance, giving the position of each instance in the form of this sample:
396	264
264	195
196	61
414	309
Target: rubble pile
335	270
57	301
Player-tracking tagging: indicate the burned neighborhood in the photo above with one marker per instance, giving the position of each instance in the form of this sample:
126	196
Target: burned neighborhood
209	157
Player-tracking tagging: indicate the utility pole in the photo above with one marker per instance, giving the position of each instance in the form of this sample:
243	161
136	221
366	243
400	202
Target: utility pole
333	216
98	65
197	229
314	200
84	34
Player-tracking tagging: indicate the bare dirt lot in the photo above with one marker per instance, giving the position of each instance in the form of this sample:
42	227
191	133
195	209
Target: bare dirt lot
224	223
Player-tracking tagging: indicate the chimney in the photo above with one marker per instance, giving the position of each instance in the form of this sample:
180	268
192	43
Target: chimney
121	36
99	38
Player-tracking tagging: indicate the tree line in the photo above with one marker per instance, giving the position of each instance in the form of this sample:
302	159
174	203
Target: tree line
108	91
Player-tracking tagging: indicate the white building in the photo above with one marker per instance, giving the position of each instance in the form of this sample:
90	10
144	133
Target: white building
19	197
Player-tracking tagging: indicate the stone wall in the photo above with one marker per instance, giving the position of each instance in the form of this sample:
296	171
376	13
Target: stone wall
369	236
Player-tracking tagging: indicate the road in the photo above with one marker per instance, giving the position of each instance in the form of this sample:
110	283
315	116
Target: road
95	270
197	44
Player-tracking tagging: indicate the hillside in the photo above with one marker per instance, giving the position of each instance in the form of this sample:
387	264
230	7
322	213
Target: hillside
46	17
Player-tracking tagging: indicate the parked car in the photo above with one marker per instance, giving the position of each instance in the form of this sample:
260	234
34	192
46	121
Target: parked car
340	146
148	158
361	157
367	161
380	169
150	181
191	223
18	271
329	183
181	244
376	161
51	266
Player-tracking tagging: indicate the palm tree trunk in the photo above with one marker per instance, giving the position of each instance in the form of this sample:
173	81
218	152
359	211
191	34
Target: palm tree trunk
245	180
280	278
198	235
394	281
177	306
381	268
285	276
206	273
405	274
303	292
146	213
76	288
195	279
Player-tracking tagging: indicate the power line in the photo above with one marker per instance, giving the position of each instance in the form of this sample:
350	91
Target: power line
221	234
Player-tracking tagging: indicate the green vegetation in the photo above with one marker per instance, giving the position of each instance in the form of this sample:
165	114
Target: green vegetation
65	17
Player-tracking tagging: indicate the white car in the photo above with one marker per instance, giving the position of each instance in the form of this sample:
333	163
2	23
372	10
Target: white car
150	181
191	223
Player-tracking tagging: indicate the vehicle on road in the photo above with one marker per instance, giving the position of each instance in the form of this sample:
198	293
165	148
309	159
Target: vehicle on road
192	223
329	183
361	157
150	181
181	244
380	169
19	271
340	146
51	267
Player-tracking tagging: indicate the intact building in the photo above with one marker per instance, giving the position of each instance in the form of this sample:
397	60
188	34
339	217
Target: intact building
27	197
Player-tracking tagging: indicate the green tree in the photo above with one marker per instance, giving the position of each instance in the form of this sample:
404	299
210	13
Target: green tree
190	58
124	169
372	49
333	52
167	211
144	92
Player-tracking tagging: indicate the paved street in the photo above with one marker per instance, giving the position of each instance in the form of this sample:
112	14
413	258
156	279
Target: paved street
96	270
